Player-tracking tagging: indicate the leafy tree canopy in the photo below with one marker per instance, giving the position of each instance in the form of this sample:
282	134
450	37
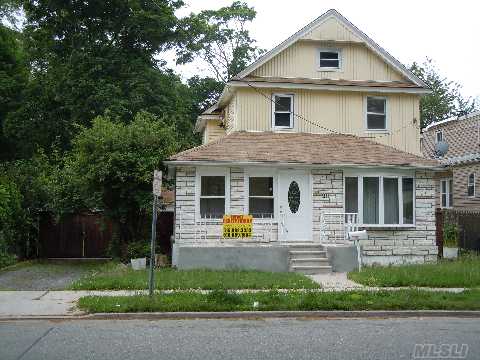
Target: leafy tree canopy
13	78
90	58
110	167
445	101
64	27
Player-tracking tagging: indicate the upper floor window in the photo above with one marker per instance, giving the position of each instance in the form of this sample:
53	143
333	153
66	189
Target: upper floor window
376	113
329	59
471	185
282	111
439	136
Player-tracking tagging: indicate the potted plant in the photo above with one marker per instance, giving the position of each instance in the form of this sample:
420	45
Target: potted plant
138	252
450	241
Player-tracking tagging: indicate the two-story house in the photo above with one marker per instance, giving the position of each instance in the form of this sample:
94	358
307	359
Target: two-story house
319	136
457	185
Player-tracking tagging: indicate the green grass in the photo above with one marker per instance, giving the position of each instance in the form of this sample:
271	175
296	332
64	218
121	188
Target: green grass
119	278
462	273
221	300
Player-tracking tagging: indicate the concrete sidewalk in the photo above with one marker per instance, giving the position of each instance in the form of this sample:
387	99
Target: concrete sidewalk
63	303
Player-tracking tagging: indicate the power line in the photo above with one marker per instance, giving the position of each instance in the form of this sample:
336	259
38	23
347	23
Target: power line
324	127
294	113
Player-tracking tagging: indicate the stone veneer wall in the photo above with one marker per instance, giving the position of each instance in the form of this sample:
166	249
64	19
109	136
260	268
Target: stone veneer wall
185	203
384	246
185	212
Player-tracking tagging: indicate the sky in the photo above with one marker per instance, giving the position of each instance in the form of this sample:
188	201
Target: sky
410	30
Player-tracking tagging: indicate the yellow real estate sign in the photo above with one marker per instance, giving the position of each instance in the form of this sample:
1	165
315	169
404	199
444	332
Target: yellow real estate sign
237	226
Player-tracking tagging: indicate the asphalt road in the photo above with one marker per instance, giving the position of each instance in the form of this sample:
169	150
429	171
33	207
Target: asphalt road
362	339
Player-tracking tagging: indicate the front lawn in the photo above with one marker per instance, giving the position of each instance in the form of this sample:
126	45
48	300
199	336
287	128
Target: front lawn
123	278
220	300
462	273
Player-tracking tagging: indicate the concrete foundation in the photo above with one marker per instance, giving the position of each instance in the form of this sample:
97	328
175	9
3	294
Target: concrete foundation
343	258
271	258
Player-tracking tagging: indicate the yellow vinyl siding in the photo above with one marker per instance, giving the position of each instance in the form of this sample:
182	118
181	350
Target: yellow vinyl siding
301	60
212	131
340	111
331	29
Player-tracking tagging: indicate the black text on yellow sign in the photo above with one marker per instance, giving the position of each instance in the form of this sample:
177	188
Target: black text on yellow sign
237	226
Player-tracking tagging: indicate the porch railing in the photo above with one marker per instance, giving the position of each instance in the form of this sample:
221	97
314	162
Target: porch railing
334	227
208	228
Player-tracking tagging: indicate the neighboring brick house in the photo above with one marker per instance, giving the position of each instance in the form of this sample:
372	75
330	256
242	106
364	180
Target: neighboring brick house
316	137
457	186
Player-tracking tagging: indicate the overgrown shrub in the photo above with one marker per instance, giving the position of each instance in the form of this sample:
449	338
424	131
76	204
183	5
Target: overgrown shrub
138	249
450	235
12	219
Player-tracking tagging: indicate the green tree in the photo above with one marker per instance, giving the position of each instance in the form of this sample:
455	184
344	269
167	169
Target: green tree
111	166
445	101
220	39
34	179
96	57
10	11
13	79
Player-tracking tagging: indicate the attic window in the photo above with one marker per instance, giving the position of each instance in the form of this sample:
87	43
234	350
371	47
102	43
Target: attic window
329	59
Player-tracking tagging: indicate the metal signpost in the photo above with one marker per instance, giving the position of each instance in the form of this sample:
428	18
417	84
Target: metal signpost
157	191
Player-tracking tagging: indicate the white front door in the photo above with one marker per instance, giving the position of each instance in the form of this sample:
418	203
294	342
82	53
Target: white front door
295	205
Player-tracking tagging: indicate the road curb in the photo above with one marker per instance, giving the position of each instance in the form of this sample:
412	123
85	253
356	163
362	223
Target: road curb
255	315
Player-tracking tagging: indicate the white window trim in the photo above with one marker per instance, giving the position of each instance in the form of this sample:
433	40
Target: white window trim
468	184
436	135
211	171
365	107
292	107
447	194
381	175
261	172
333	69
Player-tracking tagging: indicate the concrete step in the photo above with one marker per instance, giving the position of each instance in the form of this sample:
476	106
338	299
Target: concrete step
306	247
311	270
314	261
302	254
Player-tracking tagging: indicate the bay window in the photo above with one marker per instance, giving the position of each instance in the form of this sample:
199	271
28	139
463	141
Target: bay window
381	200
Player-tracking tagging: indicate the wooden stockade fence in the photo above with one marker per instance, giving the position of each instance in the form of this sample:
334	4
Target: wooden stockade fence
468	226
88	235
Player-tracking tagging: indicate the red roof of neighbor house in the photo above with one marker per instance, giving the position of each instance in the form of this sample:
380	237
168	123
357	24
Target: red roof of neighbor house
301	148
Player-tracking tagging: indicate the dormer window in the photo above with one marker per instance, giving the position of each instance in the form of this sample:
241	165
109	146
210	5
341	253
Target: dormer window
329	59
282	111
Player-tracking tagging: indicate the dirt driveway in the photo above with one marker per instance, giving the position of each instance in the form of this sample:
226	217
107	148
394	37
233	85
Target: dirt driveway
44	275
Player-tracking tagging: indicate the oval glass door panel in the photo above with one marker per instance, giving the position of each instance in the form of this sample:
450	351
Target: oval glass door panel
293	197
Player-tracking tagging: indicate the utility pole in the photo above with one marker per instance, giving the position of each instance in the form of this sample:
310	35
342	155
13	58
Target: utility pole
157	191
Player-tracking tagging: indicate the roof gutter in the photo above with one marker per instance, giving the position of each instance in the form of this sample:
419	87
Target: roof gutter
175	163
358	88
